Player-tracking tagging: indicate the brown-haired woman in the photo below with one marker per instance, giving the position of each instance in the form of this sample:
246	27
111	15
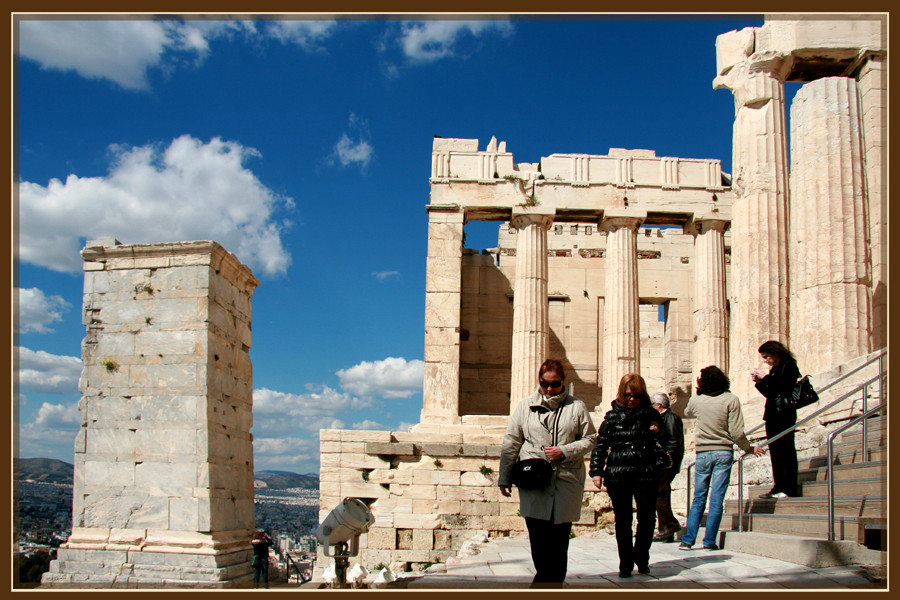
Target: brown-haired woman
776	385
624	458
553	425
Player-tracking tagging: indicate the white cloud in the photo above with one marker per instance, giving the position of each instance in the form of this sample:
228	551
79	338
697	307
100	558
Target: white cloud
299	453
122	51
307	34
432	40
353	147
349	151
278	414
52	433
44	372
382	275
190	191
37	310
388	378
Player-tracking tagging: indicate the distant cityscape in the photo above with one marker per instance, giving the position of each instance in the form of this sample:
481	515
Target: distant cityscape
290	515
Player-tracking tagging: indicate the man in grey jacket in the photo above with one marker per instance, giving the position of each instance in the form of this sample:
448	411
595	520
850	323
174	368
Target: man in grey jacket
719	426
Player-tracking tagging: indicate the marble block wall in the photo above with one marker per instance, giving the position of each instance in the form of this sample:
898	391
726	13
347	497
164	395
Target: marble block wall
163	488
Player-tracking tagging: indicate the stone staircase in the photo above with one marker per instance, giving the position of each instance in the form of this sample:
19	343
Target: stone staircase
860	507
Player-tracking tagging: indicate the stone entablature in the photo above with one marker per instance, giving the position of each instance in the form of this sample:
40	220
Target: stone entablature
460	160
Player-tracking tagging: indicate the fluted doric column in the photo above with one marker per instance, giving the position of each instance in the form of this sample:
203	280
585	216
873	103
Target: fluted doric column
830	277
759	246
621	337
873	98
531	329
710	311
443	282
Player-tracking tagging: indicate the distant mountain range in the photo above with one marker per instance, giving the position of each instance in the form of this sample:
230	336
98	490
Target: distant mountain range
45	470
51	470
282	480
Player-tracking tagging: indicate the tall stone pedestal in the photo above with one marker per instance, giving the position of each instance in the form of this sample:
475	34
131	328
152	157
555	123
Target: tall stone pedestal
163	489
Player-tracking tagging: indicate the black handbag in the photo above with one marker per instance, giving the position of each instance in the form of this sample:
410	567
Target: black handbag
802	395
531	473
534	473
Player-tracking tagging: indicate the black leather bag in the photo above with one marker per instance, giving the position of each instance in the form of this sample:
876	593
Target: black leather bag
802	395
531	474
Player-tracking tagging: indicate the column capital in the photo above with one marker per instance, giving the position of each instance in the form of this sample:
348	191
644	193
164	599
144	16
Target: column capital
755	81
523	216
706	222
617	219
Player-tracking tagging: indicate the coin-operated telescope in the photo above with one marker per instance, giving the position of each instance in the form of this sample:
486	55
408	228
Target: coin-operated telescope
344	524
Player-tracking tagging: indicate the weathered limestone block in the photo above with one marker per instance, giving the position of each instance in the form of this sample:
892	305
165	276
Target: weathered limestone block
381	537
390	448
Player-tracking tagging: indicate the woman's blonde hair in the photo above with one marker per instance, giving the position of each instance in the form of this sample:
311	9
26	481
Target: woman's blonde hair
637	385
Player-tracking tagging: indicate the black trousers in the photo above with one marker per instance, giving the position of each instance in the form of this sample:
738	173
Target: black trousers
549	551
665	518
636	550
784	458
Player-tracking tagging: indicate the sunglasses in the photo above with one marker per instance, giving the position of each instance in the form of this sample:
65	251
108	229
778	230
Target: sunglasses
627	395
551	384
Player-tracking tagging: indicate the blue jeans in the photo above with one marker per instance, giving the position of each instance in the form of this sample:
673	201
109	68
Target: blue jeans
712	472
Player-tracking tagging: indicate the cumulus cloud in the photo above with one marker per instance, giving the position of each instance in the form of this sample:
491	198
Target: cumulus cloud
278	414
121	51
388	378
299	453
52	433
429	41
353	147
190	191
41	371
37	310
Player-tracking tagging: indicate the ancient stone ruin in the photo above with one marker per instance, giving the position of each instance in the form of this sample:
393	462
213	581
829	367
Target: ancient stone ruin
163	489
634	262
617	262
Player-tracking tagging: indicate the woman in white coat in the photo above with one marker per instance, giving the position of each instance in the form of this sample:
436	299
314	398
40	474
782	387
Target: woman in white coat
553	425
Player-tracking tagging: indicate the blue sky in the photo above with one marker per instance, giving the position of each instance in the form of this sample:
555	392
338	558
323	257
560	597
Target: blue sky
304	147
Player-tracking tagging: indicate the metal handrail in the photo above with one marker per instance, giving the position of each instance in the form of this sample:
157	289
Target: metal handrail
865	449
879	358
864	387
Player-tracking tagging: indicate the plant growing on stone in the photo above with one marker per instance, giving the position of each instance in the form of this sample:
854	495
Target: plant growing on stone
365	475
486	470
110	364
437	463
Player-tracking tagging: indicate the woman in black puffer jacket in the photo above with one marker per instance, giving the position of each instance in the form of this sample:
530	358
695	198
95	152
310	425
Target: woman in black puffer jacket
624	459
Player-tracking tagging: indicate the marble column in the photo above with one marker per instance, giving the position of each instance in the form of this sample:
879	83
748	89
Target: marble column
710	318
443	284
531	329
621	341
759	250
873	98
830	277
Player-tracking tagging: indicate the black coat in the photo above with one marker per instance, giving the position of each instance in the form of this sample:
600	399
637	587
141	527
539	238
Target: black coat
624	450
779	383
671	436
